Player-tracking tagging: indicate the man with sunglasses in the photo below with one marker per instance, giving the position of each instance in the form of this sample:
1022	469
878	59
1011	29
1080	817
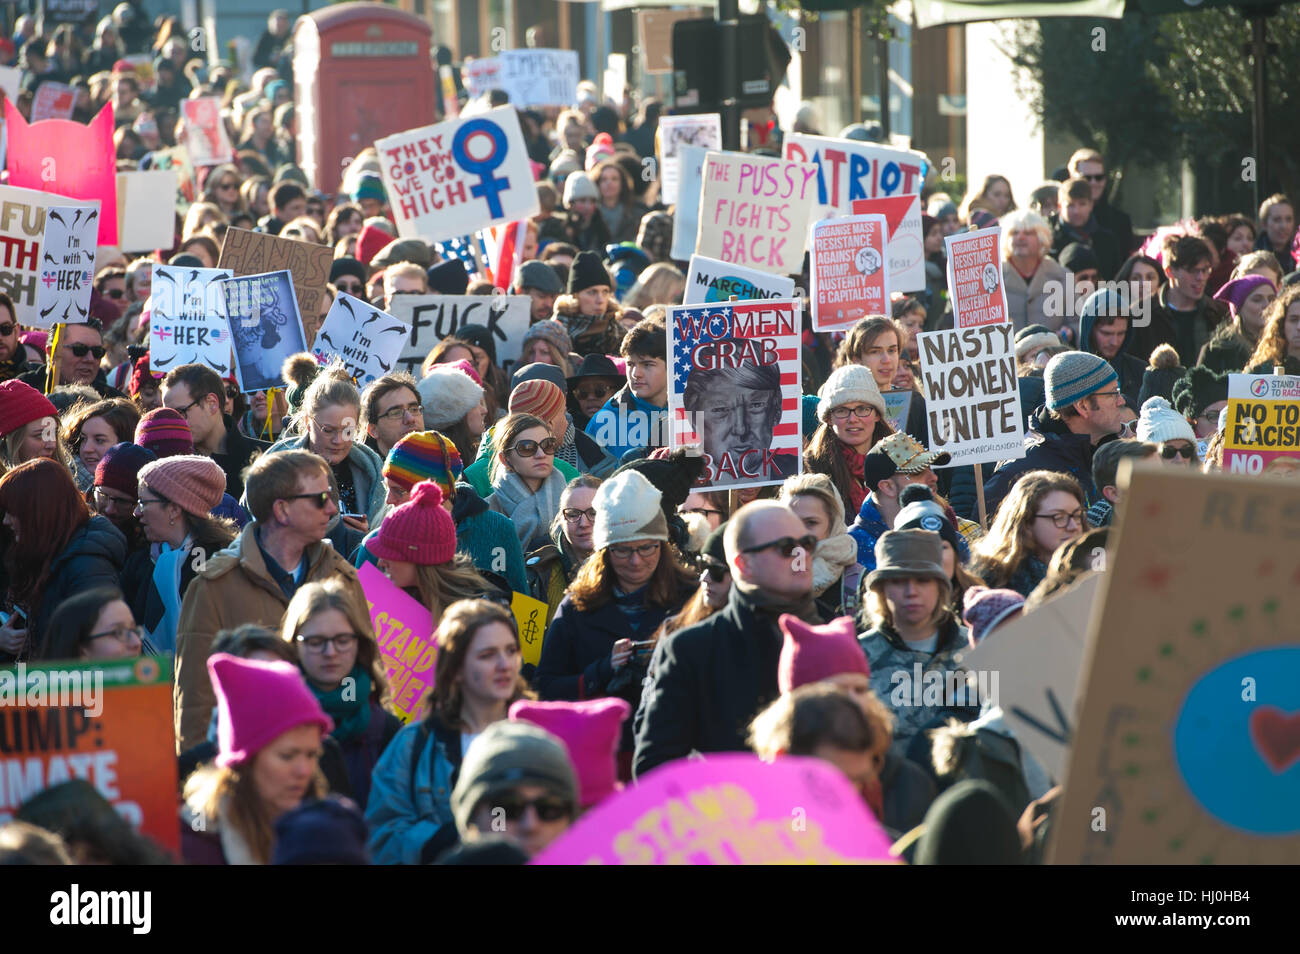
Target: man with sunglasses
293	500
349	275
13	356
1088	164
709	680
80	351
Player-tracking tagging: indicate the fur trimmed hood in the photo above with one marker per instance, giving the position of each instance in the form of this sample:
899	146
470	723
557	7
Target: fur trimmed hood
566	306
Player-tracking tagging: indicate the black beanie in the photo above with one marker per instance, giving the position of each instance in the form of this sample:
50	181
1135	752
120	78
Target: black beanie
1077	257
673	476
448	278
587	272
969	824
1198	389
480	337
348	266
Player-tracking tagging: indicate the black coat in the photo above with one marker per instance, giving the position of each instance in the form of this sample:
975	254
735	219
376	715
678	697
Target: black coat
708	682
241	450
1050	445
93	557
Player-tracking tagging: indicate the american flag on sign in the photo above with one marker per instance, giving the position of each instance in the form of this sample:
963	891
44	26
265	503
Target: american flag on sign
744	408
465	249
503	245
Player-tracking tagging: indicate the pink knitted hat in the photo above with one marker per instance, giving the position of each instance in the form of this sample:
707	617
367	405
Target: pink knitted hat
539	397
419	531
195	484
984	609
814	653
468	368
590	730
257	702
166	432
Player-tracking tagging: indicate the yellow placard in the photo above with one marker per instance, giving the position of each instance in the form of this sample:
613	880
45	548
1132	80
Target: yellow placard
530	614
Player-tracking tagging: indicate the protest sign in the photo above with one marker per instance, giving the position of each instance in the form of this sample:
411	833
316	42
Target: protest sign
10	79
898	404
188	323
458	176
66	158
1263	422
109	723
364	338
539	77
22	229
433	317
730	809
975	277
703	130
1038	658
755	211
530	615
849	277
481	74
972	397
1188	742
53	101
905	251
848	170
254	253
67	264
206	139
263	315
735	389
686	214
177	160
144	223
709	281
79	12
405	634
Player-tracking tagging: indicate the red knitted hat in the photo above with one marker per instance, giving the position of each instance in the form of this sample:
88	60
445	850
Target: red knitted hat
370	242
419	531
590	730
20	404
257	702
165	431
814	653
539	397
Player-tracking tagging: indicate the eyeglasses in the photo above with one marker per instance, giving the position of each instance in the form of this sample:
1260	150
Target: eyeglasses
645	551
864	411
715	572
321	500
1098	177
1061	519
594	393
401	411
7	329
146	501
703	511
548	807
103	500
573	515
1105	393
81	350
1201	272
228	185
185	411
787	545
342	642
1169	452
232	392
530	448
329	432
351	288
123	634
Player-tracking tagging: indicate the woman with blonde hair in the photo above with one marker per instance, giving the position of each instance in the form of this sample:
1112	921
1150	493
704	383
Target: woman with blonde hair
221	189
340	661
199	217
1279	343
836	571
1042	510
476	679
660	284
994	193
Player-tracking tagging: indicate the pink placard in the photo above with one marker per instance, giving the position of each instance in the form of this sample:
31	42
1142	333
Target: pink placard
404	630
728	809
205	132
850	275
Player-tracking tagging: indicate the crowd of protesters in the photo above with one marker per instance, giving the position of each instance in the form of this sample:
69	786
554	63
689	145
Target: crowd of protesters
170	514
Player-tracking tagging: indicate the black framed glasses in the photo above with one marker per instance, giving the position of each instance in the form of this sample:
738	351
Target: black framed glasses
786	545
7	328
401	411
547	446
645	551
146	501
342	642
702	511
123	634
81	350
573	515
104	501
322	499
1169	452
185	411
1062	519
548	807
864	411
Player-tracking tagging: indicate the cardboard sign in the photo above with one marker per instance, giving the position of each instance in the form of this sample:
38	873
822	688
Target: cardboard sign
699	129
905	251
1263	422
206	138
975	277
972	396
188	324
1038	660
755	211
686	213
434	317
728	810
898	404
364	338
53	101
539	77
1188	745
144	223
848	170
263	315
405	634
68	159
67	264
735	390
530	615
22	229
655	28
108	723
849	277
709	281
459	176
255	253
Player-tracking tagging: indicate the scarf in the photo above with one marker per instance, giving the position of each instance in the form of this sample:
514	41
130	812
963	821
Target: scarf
351	715
531	513
580	325
858	486
832	557
771	605
568	449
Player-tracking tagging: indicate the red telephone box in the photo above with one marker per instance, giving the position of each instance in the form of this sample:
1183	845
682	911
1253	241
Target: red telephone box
362	72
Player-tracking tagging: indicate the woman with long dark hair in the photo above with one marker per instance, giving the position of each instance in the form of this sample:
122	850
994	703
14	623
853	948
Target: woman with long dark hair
852	411
94	625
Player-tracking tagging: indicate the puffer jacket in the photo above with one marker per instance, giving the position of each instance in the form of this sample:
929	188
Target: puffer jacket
372	492
409	809
1049	445
93	557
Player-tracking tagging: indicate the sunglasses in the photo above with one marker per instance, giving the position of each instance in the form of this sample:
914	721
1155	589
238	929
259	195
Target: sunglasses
786	545
115	293
1169	452
1099	177
530	448
351	288
716	572
598	392
548	808
321	500
7	329
81	350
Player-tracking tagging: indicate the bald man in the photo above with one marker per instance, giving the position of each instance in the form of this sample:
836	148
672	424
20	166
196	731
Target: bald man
709	680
